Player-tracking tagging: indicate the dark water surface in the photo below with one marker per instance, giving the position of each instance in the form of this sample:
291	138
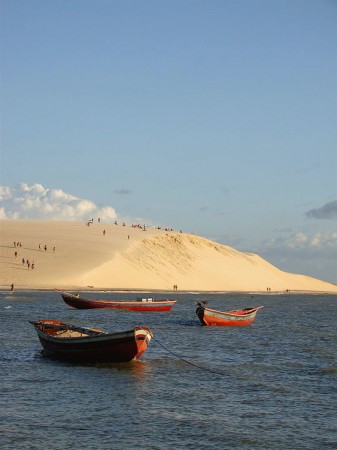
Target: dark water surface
272	385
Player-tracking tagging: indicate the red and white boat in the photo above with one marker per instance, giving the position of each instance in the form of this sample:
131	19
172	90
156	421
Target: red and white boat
142	304
212	317
72	343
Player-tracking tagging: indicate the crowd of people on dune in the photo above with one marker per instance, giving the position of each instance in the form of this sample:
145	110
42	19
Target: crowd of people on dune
25	261
138	225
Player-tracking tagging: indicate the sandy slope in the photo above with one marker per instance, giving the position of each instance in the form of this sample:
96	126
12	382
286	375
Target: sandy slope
130	258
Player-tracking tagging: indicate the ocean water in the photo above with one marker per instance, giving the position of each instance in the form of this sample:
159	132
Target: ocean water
272	385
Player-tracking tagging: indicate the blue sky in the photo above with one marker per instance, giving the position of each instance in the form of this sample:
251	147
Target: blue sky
213	117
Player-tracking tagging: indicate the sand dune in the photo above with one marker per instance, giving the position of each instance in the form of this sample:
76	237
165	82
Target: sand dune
131	258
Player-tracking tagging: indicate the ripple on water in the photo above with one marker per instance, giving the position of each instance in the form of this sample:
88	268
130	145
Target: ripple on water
268	386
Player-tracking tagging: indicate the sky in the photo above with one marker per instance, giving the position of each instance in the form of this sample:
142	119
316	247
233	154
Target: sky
215	117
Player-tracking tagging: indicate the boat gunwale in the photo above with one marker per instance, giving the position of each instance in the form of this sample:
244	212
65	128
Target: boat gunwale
233	313
99	337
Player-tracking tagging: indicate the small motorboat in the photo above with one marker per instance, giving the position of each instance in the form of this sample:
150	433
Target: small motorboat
211	317
141	304
77	344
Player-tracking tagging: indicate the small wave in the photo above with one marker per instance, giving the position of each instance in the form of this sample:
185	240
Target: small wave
328	370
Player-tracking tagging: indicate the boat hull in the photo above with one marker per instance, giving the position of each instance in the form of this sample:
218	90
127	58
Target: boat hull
84	303
100	347
212	317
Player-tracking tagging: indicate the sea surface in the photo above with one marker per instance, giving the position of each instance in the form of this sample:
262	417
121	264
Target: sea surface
271	385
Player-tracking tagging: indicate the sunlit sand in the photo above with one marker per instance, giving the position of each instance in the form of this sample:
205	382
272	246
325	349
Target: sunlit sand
81	256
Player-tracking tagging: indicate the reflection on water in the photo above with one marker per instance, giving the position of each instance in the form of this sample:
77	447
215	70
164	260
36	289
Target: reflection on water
270	385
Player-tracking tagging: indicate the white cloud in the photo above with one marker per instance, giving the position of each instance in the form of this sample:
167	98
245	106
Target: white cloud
37	202
310	254
302	241
324	240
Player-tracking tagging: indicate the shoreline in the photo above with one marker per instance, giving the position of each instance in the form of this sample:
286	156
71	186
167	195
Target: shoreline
138	291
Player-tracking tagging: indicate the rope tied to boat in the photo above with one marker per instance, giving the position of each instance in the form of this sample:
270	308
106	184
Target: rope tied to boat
189	362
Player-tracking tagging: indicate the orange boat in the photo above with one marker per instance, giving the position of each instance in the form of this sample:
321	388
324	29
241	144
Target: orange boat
142	304
240	318
77	344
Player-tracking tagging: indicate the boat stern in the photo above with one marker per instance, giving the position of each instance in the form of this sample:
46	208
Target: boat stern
143	336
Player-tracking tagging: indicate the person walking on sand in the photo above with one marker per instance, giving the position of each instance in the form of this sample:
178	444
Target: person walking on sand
103	232
12	287
45	248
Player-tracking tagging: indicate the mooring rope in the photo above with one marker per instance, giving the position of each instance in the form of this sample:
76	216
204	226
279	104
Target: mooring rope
188	362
